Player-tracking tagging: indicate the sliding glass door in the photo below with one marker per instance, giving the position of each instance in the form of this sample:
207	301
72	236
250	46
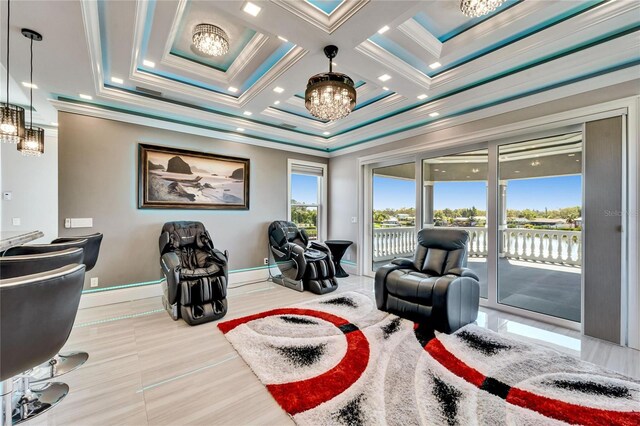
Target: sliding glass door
393	213
540	225
454	195
520	202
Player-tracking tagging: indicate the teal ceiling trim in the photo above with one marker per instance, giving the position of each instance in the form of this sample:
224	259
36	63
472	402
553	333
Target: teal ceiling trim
632	63
576	11
103	36
187	123
326	6
523	67
426	22
273	59
373	100
209	110
400	52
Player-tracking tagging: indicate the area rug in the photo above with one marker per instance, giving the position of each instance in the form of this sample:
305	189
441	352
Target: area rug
338	360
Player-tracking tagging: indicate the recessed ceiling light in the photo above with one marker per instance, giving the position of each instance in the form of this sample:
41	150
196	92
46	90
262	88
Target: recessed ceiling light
283	39
278	89
434	114
572	155
232	89
117	80
251	8
326	133
517	171
422	96
385	88
276	102
148	63
30	85
435	65
87	97
436	170
54	123
384	77
247	113
240	129
383	29
444	171
577	161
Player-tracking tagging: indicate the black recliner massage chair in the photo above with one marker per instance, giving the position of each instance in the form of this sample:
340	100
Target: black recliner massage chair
196	273
303	267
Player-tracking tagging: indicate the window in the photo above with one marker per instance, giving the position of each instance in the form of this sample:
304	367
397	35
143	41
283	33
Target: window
307	197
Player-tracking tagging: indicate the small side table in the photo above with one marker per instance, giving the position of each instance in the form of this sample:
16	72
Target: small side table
337	249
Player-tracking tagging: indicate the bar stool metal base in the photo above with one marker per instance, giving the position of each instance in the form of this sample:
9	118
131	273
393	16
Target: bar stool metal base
57	366
18	406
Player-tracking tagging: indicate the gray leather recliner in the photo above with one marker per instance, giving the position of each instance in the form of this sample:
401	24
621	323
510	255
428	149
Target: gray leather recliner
435	288
196	273
303	267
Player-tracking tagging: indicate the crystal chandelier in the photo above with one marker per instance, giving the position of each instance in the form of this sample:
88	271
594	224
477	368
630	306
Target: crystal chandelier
475	8
33	142
11	116
330	96
210	40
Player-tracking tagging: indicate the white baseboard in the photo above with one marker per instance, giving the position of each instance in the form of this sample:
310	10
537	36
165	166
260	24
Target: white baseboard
109	297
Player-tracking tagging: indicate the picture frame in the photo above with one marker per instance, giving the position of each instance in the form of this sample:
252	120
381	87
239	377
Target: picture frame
175	178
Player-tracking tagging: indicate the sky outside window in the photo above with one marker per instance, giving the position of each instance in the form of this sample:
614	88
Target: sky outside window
304	188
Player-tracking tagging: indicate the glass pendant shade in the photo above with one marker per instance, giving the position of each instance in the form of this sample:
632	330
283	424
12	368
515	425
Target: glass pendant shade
330	96
11	123
475	8
33	142
210	40
11	116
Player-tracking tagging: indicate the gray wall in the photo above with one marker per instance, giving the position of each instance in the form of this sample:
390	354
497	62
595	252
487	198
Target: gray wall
98	179
33	182
343	175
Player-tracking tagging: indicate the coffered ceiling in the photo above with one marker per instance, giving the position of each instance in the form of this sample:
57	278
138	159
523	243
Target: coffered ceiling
135	59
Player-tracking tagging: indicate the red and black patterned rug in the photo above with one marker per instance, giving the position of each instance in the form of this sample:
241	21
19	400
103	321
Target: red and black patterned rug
338	360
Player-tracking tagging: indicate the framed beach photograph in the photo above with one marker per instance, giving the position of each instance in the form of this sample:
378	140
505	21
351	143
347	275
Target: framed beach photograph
172	178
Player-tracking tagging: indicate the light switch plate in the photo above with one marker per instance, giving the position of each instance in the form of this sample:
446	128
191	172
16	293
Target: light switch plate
94	282
16	221
354	219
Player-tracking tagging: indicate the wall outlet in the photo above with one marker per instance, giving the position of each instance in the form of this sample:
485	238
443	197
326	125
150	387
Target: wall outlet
94	282
16	221
67	223
266	260
354	219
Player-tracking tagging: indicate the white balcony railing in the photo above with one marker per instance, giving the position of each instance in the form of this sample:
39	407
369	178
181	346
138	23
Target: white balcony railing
545	245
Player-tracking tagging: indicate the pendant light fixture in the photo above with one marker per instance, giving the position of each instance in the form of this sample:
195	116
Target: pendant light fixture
11	116
330	96
476	8
33	142
210	40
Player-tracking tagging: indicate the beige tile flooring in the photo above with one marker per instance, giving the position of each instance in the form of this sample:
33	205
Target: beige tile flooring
146	369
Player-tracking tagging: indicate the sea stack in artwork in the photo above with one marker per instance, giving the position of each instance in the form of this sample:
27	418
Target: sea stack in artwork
237	174
178	165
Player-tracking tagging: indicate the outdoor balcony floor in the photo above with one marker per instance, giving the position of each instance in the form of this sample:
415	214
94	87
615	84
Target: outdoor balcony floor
540	287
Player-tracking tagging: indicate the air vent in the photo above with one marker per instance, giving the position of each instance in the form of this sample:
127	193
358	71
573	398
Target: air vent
288	126
148	91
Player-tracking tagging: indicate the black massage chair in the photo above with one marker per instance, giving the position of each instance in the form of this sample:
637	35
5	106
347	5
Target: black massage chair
196	273
303	268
